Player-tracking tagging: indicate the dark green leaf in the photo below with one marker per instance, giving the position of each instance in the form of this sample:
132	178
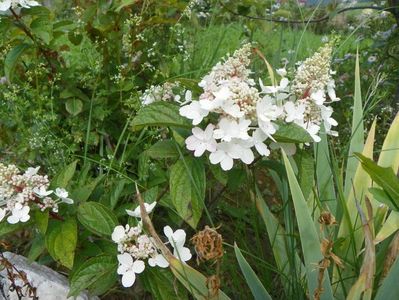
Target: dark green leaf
187	189
97	218
63	178
12	58
83	193
384	177
163	149
160	114
41	220
94	273
291	133
37	248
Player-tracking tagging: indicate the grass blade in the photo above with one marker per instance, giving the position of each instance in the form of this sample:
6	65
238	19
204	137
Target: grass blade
309	238
357	137
258	290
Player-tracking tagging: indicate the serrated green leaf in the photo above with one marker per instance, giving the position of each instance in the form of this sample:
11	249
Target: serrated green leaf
97	218
61	240
163	149
95	272
12	59
291	133
187	189
258	290
160	113
63	178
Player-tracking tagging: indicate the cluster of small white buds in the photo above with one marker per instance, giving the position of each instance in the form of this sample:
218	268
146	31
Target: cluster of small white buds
22	192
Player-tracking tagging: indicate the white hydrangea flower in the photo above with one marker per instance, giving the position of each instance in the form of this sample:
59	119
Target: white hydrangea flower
7	4
201	140
20	213
63	195
229	129
158	260
194	111
137	212
258	138
128	268
177	240
42	192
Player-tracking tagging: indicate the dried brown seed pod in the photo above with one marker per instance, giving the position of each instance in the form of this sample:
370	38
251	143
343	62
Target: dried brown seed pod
208	244
326	218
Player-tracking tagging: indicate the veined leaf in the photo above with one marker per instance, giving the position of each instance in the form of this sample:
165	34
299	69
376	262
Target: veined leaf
258	290
160	113
309	238
61	241
291	133
187	189
12	58
95	272
97	218
63	178
163	149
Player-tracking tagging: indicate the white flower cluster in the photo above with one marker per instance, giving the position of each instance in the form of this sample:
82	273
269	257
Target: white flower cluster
19	193
246	115
135	246
165	92
7	4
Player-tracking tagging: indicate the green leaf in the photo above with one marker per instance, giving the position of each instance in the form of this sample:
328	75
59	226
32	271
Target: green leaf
390	287
63	178
357	136
309	238
61	240
97	218
160	114
161	284
257	289
74	106
37	248
381	196
291	133
42	28
82	193
41	220
94	273
116	192
384	177
304	161
163	149
187	189
12	58
194	281
6	228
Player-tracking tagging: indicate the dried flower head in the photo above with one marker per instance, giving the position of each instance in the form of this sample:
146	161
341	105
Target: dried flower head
208	244
326	218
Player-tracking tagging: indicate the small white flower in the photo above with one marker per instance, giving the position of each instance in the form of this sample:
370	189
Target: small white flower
275	89
41	192
177	240
128	268
158	260
119	234
372	58
294	112
331	91
201	140
7	4
19	213
31	171
313	130
258	138
318	97
63	195
282	72
228	151
137	213
229	129
267	112
193	111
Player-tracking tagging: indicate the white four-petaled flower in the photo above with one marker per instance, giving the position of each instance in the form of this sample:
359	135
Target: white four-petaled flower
137	212
128	268
201	140
177	240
